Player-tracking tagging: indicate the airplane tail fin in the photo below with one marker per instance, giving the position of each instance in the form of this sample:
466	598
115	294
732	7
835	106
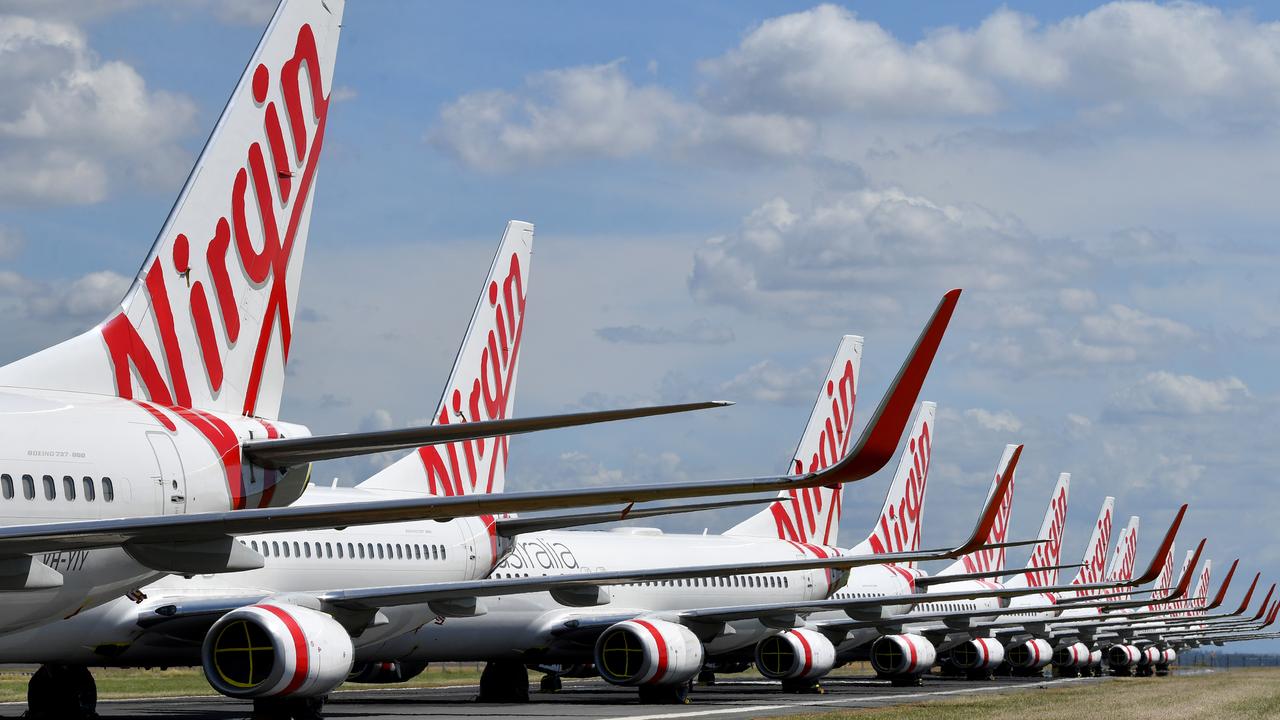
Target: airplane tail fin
990	559
1048	554
1200	598
898	527
1126	552
481	386
208	320
1093	565
812	515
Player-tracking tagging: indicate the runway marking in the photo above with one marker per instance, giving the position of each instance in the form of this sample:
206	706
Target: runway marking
837	701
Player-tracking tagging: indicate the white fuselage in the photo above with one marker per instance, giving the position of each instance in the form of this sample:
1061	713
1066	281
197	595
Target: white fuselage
76	456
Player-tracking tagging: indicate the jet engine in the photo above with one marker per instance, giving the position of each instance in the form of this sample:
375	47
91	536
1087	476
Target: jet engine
1095	658
648	652
1030	655
1075	655
1149	656
1170	656
902	655
977	655
795	655
1123	656
274	651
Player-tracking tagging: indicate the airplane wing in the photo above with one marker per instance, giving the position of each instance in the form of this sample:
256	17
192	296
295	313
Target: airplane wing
212	533
517	526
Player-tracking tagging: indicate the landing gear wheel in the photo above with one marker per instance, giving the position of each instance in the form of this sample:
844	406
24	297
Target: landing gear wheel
311	708
804	687
62	691
551	684
707	677
664	694
504	682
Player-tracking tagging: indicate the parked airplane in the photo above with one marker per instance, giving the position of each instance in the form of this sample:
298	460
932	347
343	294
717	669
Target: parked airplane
129	444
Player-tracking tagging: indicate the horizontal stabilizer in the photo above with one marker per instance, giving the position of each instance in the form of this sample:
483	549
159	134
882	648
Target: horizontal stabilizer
285	452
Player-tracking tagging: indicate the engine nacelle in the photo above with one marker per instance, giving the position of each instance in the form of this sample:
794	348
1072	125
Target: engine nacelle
1149	656
385	673
1030	655
1095	657
1075	655
907	654
648	652
1169	656
1123	655
977	654
276	650
795	655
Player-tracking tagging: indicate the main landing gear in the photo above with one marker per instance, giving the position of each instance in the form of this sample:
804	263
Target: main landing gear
504	682
58	692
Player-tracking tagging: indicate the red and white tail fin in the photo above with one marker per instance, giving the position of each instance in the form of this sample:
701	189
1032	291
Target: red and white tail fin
481	386
1183	602
813	515
1094	564
1200	597
1126	551
208	321
991	560
1049	552
898	527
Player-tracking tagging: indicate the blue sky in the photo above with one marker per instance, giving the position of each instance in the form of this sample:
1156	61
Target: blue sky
745	181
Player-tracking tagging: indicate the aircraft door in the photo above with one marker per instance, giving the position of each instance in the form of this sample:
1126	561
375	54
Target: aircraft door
170	478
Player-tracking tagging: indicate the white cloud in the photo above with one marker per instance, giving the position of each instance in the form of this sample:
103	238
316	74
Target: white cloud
1166	393
596	111
1181	61
1001	421
1119	324
770	382
1077	299
70	122
89	297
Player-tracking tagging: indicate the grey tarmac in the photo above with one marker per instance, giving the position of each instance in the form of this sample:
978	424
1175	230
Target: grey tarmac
728	699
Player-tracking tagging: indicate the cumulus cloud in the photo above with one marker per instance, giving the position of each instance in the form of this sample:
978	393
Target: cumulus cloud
1181	60
770	382
1001	421
597	111
1166	393
89	297
1124	325
70	123
861	249
698	332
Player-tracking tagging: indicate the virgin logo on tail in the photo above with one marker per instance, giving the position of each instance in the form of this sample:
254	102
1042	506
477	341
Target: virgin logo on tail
467	467
271	218
1049	553
899	527
992	559
800	516
1130	552
1095	564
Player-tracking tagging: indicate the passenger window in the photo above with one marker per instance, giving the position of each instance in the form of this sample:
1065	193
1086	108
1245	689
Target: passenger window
351	551
6	484
88	489
286	550
328	550
435	555
444	553
69	487
50	490
361	546
306	548
399	552
28	487
275	548
340	556
297	551
108	490
254	544
417	552
380	551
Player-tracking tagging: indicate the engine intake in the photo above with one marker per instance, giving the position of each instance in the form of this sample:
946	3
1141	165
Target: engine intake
795	655
276	650
648	652
1075	655
907	654
1169	656
1123	655
1030	655
977	654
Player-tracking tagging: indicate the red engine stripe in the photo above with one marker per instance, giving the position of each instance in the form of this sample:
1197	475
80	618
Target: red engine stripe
808	652
299	647
912	647
662	649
